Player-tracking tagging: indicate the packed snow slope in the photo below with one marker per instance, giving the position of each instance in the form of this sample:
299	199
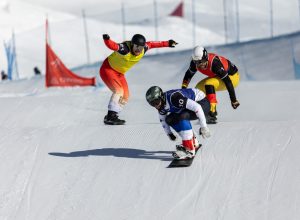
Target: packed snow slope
59	161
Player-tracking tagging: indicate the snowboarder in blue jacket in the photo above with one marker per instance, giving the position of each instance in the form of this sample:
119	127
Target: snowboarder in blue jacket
176	108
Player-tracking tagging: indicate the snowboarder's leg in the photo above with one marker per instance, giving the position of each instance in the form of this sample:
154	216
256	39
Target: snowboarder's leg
205	104
124	99
196	142
187	149
210	85
211	96
116	82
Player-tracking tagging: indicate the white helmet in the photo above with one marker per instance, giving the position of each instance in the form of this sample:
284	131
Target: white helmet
199	53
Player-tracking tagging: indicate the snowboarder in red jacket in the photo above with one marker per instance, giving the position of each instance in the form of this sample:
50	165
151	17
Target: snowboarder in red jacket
114	67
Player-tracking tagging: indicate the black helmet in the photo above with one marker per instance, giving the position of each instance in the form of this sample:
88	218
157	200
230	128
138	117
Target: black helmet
154	95
138	39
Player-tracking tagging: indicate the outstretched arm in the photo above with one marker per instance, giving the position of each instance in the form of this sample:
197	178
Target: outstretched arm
158	44
110	43
189	75
230	88
121	48
219	70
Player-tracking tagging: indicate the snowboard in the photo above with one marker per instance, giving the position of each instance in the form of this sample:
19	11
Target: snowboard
183	162
114	123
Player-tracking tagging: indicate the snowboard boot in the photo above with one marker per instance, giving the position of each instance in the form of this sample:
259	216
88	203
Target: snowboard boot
181	153
180	147
184	151
112	118
211	118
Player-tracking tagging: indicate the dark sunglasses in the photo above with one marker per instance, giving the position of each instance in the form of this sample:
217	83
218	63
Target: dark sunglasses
197	62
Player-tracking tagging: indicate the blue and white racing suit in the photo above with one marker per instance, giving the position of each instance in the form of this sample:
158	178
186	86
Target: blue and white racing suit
183	105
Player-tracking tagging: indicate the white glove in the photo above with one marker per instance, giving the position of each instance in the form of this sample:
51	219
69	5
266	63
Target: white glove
204	132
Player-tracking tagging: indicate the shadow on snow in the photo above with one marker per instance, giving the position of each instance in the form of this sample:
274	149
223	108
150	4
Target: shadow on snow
119	152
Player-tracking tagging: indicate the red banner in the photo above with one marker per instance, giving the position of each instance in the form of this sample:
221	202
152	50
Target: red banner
178	10
57	74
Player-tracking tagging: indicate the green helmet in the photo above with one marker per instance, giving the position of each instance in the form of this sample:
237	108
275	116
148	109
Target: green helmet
155	94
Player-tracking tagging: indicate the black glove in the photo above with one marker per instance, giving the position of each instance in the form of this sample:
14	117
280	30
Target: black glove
172	43
172	137
106	36
235	104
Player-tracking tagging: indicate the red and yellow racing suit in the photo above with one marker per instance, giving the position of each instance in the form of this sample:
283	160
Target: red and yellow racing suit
114	67
221	75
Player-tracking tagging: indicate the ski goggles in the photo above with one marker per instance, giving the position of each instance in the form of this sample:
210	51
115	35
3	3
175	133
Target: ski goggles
155	102
199	62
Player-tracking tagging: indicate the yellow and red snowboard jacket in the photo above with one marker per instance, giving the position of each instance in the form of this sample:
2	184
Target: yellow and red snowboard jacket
122	59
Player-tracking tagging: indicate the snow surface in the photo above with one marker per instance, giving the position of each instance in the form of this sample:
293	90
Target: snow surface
60	162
